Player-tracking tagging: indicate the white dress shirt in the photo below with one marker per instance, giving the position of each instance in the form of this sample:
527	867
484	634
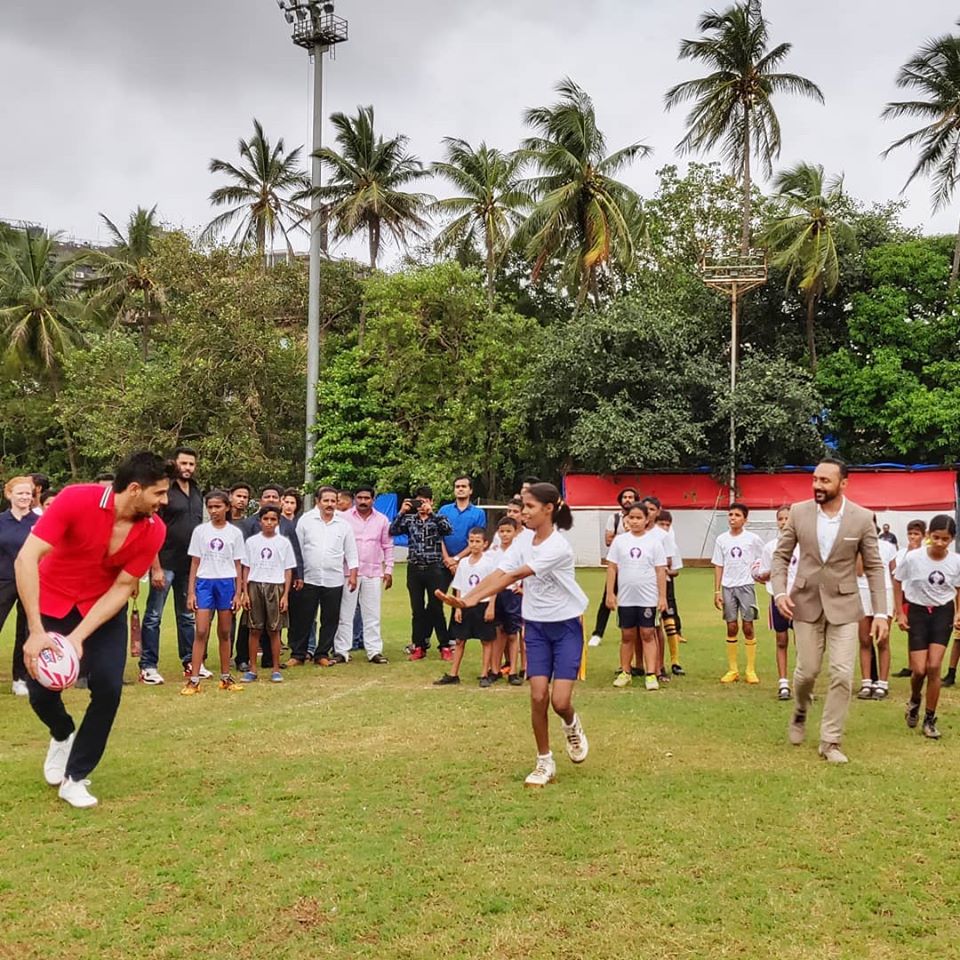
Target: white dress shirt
325	547
828	528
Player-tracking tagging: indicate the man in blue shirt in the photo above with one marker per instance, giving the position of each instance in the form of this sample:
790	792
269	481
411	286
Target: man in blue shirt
462	516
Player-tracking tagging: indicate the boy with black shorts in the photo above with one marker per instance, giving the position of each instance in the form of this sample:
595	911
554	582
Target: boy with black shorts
506	615
734	556
267	573
473	623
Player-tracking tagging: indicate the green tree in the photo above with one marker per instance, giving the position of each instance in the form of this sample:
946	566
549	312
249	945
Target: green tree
39	313
581	213
125	287
733	104
804	237
488	209
264	197
934	74
367	176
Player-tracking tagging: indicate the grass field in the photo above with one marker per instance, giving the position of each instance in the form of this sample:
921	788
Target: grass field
360	812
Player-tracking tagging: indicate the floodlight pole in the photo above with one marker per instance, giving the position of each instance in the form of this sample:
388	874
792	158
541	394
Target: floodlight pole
317	30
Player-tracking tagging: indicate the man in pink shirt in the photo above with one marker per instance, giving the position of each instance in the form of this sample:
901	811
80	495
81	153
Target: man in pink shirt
375	546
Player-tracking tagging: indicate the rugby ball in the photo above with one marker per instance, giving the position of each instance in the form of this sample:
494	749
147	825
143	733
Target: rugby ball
58	668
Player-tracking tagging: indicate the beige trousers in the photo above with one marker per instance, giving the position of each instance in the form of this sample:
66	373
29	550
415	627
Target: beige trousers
840	640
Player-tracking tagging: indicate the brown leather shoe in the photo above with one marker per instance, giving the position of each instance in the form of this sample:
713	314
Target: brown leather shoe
294	662
797	728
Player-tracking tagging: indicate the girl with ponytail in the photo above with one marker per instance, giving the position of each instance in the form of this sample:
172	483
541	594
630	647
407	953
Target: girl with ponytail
553	606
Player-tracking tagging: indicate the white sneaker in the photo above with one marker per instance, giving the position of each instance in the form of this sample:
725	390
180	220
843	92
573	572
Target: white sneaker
151	675
577	746
543	773
19	688
75	792
55	766
205	674
595	641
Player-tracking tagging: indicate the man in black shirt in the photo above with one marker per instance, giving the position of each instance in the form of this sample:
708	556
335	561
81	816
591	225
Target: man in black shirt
171	568
426	573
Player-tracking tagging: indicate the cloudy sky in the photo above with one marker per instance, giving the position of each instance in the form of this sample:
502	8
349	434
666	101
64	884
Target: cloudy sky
110	104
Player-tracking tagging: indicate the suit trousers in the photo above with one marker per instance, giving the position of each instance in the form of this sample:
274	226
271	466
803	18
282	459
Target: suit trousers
841	642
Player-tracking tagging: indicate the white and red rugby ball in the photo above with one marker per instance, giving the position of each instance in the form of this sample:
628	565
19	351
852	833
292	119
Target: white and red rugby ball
58	668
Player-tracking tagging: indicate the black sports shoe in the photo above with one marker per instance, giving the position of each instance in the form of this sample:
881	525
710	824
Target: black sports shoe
905	672
930	730
677	670
635	672
912	714
493	676
486	681
514	680
950	678
446	680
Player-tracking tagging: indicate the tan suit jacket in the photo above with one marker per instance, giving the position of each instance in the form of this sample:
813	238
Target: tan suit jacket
828	585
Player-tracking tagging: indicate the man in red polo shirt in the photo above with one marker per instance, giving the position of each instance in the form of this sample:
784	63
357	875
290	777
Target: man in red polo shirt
75	574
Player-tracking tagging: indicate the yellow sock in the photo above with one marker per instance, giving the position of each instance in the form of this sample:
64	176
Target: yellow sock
751	656
732	655
674	648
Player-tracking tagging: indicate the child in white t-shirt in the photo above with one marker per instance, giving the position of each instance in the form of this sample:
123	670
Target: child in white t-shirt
267	572
553	606
637	564
507	609
929	580
875	661
215	551
473	623
734	556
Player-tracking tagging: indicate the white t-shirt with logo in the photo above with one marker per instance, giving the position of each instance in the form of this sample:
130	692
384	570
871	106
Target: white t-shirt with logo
552	594
737	555
765	564
637	559
218	549
469	574
929	582
888	552
269	558
667	540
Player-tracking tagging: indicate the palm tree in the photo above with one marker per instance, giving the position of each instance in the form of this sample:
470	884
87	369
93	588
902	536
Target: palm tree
39	311
804	238
487	212
366	177
732	105
934	72
580	213
125	284
265	196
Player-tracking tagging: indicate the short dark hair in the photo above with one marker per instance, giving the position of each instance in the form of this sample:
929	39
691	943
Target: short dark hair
742	507
424	491
666	516
47	494
917	525
464	476
516	502
103	477
654	500
326	488
637	506
189	451
366	488
782	507
220	495
269	508
292	492
271	486
344	493
40	480
841	465
144	468
530	480
508	522
477	532
242	485
633	490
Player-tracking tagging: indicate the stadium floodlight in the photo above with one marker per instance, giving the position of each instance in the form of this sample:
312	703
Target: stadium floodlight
318	31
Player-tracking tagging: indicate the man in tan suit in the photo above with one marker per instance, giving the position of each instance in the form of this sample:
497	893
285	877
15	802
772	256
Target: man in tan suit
824	603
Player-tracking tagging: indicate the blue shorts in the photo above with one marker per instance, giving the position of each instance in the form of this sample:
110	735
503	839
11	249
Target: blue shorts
215	594
630	617
778	622
507	612
554	649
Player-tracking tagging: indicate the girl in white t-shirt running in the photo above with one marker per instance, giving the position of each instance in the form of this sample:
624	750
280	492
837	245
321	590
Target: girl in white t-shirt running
553	606
929	578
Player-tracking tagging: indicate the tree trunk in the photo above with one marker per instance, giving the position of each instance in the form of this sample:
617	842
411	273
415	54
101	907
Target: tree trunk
373	232
812	297
955	269
745	224
491	268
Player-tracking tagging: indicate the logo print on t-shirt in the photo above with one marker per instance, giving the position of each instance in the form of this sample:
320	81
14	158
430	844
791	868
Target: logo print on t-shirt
473	579
937	578
216	544
636	553
736	553
266	553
